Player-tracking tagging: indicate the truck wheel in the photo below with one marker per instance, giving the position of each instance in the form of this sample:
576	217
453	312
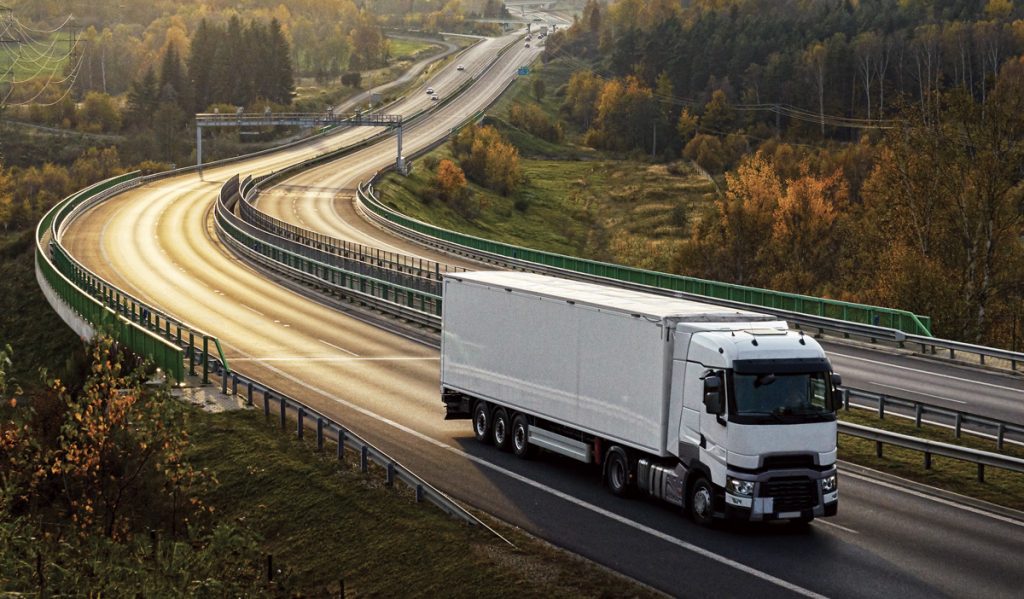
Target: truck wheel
482	422
616	472
521	438
501	430
702	502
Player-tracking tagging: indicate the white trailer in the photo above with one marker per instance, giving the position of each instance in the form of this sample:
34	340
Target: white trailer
727	413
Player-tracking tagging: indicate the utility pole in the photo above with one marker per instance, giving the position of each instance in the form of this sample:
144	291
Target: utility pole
7	41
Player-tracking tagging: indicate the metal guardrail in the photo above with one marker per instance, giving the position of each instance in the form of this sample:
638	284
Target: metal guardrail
930	448
131	309
983	352
766	300
407	303
344	438
77	293
955	418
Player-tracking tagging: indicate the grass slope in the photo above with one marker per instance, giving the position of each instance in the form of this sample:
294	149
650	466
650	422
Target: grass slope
324	522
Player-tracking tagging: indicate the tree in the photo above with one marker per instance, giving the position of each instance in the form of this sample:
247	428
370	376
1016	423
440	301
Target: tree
581	96
951	187
538	89
450	181
369	45
143	98
99	114
202	55
6	198
173	83
719	116
282	83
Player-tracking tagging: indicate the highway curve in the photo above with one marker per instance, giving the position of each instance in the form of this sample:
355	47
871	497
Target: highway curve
157	242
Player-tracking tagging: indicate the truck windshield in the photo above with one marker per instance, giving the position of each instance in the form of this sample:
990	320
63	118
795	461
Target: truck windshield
787	398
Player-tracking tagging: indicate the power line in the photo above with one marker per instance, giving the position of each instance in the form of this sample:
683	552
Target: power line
36	50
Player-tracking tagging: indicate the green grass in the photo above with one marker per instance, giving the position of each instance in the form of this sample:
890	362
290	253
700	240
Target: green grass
406	49
324	522
621	211
1001	487
28	62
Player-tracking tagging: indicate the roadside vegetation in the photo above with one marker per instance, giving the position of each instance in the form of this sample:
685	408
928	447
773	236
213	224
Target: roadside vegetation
111	486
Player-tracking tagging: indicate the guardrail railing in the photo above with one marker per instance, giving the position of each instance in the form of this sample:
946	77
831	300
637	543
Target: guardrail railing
140	314
54	274
411	304
761	298
933	448
958	420
326	428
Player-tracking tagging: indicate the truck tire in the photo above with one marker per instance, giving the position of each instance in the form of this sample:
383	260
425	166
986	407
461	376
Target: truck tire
501	430
616	472
521	438
482	422
702	502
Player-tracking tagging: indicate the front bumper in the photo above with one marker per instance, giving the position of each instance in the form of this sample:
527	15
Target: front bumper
783	497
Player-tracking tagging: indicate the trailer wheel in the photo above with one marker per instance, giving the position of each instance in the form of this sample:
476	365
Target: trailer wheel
501	430
482	422
521	438
702	502
616	472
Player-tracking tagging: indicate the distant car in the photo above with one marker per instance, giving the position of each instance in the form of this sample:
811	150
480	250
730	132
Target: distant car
433	98
461	67
529	37
537	19
527	45
430	91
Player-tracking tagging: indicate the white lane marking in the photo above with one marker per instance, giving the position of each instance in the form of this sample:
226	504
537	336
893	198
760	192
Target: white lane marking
916	392
334	359
338	348
966	508
559	494
252	309
834	525
926	372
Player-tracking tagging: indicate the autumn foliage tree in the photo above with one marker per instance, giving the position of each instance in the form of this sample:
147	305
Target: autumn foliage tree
488	158
947	202
450	181
96	493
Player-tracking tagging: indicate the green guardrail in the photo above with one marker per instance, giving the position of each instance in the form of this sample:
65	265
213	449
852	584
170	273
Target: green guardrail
851	312
144	331
420	301
165	355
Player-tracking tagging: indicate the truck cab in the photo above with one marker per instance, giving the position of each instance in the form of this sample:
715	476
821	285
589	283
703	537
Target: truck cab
756	413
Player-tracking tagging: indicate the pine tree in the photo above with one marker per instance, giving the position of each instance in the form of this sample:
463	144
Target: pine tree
201	64
173	84
283	83
143	98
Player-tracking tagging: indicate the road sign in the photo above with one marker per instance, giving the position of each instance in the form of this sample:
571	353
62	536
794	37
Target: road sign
524	70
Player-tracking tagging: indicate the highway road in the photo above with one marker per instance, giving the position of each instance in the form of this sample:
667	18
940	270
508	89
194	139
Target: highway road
158	243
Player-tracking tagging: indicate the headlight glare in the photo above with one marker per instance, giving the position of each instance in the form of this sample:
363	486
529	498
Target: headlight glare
740	487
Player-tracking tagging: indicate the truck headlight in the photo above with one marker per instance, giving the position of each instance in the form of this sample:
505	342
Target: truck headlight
829	484
739	487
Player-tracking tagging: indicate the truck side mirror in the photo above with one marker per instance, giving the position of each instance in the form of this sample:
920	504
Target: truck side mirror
837	393
713	395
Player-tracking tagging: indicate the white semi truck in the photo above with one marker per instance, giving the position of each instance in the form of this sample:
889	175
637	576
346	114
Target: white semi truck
725	413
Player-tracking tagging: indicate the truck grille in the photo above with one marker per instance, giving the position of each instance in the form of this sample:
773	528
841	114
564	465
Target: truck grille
791	494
